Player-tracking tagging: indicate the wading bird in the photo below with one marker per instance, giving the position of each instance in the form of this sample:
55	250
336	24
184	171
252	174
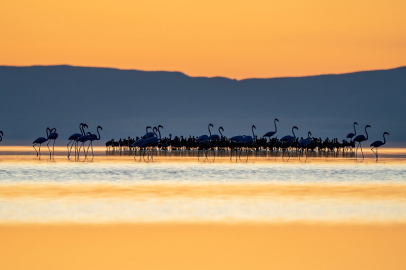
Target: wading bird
271	133
141	143
83	139
377	144
304	143
93	137
40	141
204	138
147	134
72	139
52	136
288	139
351	135
359	139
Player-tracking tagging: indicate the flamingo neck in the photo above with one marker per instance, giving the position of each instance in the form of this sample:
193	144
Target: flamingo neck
355	131
293	131
366	132
253	135
384	139
98	133
209	130
275	126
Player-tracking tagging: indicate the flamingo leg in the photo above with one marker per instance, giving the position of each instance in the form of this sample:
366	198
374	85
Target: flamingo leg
70	151
376	153
88	148
67	146
361	150
53	149
35	149
48	148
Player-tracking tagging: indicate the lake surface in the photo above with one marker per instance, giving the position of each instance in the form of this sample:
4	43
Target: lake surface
109	189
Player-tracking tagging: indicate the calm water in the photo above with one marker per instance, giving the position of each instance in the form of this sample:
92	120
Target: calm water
47	205
62	172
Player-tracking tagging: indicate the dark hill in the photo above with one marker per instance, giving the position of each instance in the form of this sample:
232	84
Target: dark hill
125	101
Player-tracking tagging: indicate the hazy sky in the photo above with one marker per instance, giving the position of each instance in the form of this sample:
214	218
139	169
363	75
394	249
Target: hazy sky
236	38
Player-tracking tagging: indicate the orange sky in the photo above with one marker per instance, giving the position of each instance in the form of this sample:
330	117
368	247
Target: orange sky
236	38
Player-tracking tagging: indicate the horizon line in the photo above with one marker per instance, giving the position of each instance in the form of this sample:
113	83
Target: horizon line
209	77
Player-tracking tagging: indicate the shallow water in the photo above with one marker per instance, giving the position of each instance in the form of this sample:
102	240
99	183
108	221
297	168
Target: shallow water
121	190
123	173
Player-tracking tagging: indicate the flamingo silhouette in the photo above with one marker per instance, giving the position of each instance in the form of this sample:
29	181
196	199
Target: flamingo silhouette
377	144
52	136
351	135
289	139
147	134
305	142
83	139
1	136
141	143
93	137
204	138
72	139
271	133
216	138
248	139
153	141
40	141
359	139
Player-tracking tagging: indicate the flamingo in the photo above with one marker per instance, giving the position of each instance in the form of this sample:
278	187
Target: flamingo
289	138
216	137
147	134
271	133
72	139
153	141
1	136
249	139
359	139
40	141
52	136
83	139
204	138
351	135
305	142
377	144
141	142
93	137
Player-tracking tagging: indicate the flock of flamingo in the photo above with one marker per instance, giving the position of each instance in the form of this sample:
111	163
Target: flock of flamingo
152	140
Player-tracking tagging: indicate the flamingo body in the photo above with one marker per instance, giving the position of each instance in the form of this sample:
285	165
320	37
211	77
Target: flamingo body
40	140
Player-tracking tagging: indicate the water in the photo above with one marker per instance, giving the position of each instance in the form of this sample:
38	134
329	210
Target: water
116	173
124	191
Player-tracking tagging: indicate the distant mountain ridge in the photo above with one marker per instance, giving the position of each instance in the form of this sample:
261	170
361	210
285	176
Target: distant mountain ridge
125	101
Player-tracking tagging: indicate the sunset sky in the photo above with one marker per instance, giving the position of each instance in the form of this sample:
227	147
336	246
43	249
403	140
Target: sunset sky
236	39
